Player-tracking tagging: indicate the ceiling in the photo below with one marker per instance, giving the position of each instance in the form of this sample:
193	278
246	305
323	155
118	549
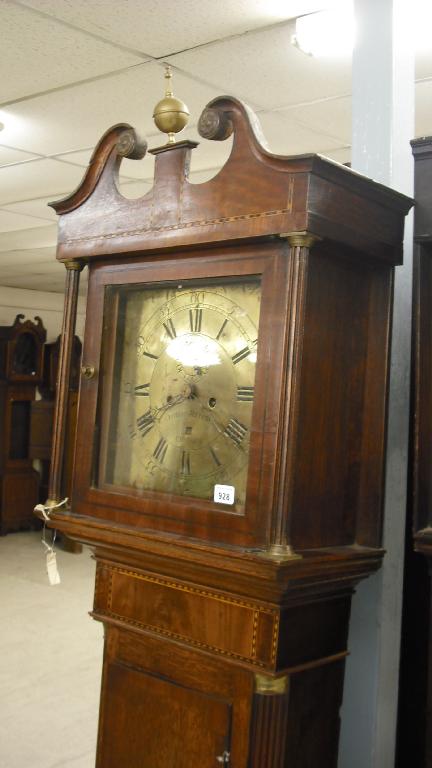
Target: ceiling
72	68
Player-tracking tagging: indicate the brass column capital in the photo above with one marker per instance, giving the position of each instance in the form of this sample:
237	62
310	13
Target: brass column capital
266	685
280	553
71	264
300	239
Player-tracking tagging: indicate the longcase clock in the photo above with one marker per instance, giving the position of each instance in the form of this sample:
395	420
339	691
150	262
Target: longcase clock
415	729
231	441
21	358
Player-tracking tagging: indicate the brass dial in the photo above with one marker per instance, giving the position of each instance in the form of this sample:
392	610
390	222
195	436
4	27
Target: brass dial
185	392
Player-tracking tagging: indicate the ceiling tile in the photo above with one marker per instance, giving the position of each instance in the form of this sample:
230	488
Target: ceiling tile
36	179
41	237
80	157
27	69
266	70
200	177
34	275
9	155
342	155
286	136
30	267
18	260
129	169
51	303
38	207
54	282
76	118
160	29
134	189
330	118
10	221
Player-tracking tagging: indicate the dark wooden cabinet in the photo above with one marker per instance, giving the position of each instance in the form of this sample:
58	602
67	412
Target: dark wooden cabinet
21	355
415	732
422	150
42	416
230	444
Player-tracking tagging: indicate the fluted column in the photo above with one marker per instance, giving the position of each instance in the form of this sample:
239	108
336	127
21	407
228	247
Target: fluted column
269	722
73	269
300	244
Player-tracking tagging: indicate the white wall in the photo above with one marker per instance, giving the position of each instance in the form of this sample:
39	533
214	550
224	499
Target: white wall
383	124
48	305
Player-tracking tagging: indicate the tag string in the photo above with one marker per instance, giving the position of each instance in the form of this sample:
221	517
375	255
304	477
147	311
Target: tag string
45	511
51	562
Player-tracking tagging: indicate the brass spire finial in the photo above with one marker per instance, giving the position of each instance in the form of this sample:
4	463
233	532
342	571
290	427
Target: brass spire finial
170	114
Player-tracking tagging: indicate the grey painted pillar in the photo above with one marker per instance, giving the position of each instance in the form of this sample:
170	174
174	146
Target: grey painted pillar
383	124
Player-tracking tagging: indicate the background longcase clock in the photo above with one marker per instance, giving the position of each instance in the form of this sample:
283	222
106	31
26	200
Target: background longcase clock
21	363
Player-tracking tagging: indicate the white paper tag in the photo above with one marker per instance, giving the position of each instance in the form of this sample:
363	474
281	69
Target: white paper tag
224	494
52	570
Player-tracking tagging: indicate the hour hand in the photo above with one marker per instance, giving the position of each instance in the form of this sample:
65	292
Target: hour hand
172	400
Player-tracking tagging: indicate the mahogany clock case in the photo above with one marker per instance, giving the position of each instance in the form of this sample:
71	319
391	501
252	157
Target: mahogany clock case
342	378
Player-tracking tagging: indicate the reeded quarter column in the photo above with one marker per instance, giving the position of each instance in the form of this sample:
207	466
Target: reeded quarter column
300	244
73	269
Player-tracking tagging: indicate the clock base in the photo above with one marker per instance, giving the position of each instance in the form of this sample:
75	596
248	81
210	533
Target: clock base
194	675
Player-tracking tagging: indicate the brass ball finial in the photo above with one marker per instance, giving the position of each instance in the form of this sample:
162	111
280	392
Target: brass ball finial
170	114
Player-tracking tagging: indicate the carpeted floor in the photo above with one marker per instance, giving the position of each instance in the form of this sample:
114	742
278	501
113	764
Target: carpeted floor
50	658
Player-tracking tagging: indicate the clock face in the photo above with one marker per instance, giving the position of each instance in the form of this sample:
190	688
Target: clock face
182	391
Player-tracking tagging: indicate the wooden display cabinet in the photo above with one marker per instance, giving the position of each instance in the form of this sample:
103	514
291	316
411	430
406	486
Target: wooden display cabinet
21	356
415	737
42	416
231	441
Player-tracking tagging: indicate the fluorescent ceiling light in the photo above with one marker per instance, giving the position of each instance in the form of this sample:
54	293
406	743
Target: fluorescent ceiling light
15	128
329	32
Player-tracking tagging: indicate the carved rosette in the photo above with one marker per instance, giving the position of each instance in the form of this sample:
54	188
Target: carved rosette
215	124
131	145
